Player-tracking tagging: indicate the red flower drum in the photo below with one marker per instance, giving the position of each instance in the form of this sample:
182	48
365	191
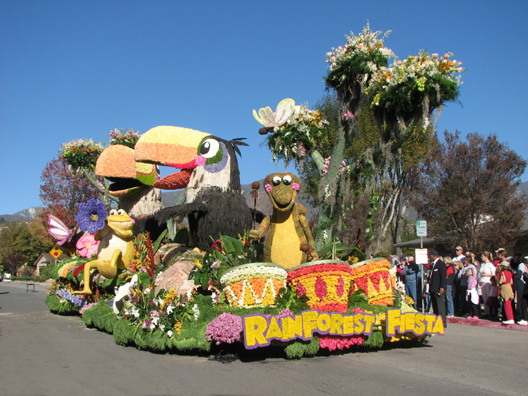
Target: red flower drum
326	283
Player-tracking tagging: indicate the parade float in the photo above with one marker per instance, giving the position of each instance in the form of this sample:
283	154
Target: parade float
266	288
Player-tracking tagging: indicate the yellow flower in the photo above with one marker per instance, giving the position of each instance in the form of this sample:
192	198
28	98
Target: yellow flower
178	327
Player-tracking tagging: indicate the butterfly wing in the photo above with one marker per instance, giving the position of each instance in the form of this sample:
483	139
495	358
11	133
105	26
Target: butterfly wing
284	111
58	230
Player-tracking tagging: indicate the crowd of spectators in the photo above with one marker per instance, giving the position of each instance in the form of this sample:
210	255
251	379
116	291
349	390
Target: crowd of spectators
491	286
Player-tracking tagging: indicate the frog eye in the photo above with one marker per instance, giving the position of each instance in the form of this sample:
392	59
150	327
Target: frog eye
209	148
287	180
113	212
276	180
120	212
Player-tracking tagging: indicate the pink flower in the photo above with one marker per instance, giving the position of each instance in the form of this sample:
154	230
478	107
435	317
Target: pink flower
296	187
87	246
320	288
348	116
267	187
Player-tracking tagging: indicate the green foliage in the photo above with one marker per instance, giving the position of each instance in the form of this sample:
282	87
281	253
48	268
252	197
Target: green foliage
101	316
23	243
60	306
288	299
298	349
374	341
227	253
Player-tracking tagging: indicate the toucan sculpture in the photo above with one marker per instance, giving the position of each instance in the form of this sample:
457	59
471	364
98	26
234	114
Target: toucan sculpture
208	169
132	182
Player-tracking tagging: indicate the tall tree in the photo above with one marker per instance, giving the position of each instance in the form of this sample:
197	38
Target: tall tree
467	191
23	243
62	190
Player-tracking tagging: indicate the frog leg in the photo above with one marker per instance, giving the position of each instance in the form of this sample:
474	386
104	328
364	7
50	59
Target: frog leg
87	269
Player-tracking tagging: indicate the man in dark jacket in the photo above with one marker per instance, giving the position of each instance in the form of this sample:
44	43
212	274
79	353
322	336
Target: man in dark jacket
438	285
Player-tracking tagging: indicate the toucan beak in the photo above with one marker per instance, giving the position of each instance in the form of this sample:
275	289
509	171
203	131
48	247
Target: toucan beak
117	164
171	146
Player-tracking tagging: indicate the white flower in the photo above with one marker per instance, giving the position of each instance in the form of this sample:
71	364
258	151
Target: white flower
170	309
196	311
170	333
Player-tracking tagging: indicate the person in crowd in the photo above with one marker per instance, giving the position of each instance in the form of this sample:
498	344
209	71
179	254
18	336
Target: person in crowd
409	273
437	281
520	292
472	297
462	281
506	294
492	301
457	266
450	273
487	271
460	256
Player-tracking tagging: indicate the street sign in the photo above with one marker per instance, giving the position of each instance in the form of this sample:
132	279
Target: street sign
420	256
421	228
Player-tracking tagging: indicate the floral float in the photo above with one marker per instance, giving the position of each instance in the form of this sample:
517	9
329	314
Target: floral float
244	305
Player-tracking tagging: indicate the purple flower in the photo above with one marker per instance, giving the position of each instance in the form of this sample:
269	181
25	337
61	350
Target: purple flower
225	328
91	216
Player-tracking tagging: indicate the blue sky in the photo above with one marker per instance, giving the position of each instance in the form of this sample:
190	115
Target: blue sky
78	69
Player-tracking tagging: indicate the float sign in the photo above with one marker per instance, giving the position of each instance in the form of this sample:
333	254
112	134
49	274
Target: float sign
421	228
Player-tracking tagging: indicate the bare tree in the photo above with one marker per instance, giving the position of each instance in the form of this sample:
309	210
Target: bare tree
467	191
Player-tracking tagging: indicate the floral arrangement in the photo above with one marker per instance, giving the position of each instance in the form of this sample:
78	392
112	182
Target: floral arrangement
403	88
227	253
68	296
373	277
143	255
357	61
226	327
81	153
91	216
302	131
124	137
327	285
87	246
138	302
253	285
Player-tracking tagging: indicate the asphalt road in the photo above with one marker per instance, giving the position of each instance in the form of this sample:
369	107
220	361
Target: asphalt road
45	354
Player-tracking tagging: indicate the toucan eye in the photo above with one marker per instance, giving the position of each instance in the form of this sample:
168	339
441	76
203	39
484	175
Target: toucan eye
287	180
113	212
276	180
209	148
120	212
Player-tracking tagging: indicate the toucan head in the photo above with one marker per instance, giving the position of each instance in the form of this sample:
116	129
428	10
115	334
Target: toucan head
202	159
116	163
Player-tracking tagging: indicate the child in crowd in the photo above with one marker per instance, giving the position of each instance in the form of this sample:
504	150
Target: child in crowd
492	302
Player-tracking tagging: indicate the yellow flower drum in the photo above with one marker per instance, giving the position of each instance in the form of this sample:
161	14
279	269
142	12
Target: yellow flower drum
253	285
373	277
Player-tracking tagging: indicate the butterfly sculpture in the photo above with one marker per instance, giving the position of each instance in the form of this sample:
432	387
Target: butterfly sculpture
58	230
270	120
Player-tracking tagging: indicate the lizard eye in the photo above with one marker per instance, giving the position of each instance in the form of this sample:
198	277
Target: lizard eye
276	180
120	212
113	212
287	180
